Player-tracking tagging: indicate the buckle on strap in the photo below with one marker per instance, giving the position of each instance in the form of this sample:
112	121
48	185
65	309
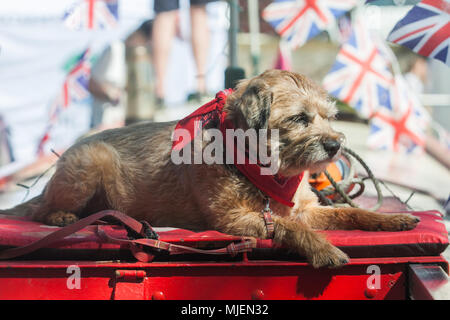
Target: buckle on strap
148	231
267	216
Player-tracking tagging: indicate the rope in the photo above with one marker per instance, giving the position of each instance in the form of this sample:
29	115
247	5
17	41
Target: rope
371	176
338	188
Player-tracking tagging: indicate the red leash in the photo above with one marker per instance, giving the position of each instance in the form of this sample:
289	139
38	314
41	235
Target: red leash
137	246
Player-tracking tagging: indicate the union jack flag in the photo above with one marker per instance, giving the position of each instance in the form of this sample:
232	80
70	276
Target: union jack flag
401	124
92	14
297	21
361	74
426	30
74	89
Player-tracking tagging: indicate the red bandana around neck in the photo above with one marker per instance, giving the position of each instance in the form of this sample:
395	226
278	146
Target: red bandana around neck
279	188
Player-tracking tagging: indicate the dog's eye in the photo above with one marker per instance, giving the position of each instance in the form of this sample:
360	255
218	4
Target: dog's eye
300	118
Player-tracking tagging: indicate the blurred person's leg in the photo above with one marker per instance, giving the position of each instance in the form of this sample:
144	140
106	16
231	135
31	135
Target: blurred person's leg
200	42
164	27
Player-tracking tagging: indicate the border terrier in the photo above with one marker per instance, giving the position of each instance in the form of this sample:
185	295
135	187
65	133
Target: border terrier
130	169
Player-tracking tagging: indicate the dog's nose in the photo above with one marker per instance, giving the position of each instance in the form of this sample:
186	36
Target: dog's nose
331	146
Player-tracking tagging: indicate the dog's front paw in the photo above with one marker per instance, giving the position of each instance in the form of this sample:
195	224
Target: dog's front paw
60	218
330	257
399	222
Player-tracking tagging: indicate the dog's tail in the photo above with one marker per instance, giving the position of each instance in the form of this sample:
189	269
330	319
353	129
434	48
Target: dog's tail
24	209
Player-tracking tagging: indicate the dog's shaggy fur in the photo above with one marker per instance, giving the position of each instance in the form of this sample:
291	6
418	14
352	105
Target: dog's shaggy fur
130	170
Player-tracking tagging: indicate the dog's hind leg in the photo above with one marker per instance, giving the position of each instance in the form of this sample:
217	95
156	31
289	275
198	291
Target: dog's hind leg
81	173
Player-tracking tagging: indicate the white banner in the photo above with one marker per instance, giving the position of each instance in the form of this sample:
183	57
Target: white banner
35	46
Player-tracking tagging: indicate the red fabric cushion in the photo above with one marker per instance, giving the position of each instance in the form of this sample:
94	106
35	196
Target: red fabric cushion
429	238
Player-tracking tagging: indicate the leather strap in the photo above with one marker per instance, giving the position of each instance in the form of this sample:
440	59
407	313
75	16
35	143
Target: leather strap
137	246
267	216
268	221
132	224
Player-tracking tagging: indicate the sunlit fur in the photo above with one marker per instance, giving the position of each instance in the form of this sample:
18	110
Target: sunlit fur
130	169
292	95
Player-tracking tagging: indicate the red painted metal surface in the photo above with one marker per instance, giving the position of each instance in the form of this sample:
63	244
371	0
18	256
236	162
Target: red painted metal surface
248	278
208	280
428	282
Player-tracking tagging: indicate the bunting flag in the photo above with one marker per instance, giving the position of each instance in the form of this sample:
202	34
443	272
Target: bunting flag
426	30
361	75
74	89
92	14
401	124
75	86
297	21
6	152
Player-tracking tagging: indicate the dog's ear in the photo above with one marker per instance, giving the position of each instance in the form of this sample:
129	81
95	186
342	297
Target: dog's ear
253	107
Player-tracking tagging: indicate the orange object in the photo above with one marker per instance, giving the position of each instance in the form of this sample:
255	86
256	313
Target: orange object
321	181
338	170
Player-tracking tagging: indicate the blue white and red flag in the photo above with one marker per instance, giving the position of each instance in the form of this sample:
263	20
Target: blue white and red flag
361	75
426	30
74	89
92	14
297	21
401	124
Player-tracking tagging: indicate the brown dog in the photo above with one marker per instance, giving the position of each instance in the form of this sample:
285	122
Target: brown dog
130	170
